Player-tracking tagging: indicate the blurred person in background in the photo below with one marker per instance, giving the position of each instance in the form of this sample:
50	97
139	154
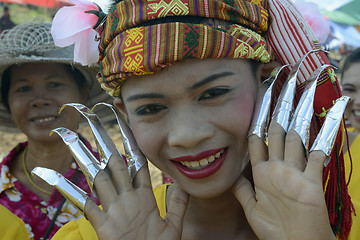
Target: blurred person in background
36	79
5	20
350	83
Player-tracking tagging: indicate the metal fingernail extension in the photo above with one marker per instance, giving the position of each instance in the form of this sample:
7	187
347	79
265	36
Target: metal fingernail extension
135	158
326	137
105	145
89	165
69	190
304	112
262	107
284	106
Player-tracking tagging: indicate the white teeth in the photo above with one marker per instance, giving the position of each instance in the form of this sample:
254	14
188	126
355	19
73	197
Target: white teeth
203	162
195	164
45	119
188	164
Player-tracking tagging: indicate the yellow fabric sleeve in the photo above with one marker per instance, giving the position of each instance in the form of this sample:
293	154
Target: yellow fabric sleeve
11	226
354	185
82	229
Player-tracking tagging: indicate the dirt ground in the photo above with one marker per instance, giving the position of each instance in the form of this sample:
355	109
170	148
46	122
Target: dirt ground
9	140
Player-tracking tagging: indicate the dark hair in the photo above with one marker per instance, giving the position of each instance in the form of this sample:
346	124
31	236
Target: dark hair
74	72
353	57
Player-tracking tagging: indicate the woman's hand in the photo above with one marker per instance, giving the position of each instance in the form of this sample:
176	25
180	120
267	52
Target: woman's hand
287	201
129	210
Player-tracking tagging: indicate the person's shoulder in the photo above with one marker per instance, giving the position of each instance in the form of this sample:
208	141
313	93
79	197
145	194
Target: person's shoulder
11	226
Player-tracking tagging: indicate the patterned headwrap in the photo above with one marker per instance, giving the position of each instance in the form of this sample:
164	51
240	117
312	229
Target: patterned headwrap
132	44
144	36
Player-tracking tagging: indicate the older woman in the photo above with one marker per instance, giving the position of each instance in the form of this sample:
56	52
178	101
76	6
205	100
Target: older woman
37	78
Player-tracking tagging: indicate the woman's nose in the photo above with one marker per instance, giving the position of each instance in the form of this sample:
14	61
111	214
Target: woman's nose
40	99
189	130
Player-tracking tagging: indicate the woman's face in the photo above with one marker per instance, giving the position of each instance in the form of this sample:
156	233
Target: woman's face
37	91
351	87
191	120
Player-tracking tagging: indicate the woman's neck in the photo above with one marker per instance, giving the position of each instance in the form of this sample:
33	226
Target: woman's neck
54	155
217	218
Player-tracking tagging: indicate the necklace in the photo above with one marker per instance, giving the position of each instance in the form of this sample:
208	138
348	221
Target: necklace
28	175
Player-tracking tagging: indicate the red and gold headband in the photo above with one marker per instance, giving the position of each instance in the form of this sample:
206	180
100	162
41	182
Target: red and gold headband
130	45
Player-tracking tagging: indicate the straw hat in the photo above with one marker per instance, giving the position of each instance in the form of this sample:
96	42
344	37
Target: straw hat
32	42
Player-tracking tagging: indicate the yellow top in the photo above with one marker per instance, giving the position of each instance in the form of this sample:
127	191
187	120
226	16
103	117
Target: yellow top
11	227
82	229
354	185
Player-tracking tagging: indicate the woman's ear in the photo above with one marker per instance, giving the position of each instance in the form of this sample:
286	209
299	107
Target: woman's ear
118	103
265	69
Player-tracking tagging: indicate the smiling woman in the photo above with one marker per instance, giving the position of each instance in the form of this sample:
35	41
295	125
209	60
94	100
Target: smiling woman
37	78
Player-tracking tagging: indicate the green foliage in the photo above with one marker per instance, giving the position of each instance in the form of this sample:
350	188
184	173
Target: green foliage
28	13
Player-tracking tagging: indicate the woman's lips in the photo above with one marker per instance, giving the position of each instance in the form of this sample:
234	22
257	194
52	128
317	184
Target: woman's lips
202	165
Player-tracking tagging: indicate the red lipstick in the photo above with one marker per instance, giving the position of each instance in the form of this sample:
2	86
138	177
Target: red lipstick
203	172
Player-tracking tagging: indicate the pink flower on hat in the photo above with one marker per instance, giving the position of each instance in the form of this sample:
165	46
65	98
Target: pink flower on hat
72	25
316	20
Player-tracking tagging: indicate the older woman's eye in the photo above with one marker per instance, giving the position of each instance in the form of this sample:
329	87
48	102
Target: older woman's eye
214	92
23	89
55	84
149	109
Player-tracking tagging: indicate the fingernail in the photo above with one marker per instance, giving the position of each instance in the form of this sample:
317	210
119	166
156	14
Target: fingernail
75	195
304	112
88	163
262	107
135	158
326	137
284	106
103	141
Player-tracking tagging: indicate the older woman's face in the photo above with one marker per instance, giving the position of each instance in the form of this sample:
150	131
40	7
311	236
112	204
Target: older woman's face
191	120
37	91
351	87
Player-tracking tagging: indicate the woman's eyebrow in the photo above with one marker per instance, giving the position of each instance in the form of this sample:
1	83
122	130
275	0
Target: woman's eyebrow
144	95
348	85
210	79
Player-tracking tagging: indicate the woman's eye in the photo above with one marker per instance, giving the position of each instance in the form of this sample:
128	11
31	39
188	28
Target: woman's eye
150	109
55	84
23	89
214	92
350	90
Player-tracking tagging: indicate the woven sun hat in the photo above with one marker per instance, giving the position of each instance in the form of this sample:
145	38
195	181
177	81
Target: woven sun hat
32	42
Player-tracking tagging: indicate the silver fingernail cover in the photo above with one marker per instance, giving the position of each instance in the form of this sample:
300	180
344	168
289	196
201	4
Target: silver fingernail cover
284	106
89	165
135	158
75	195
105	145
262	107
326	137
304	112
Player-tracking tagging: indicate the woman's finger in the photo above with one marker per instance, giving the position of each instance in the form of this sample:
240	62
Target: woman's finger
105	189
94	214
294	154
244	192
142	178
177	207
315	166
258	151
276	140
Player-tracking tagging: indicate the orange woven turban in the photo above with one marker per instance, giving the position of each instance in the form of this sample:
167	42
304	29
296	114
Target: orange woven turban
144	36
